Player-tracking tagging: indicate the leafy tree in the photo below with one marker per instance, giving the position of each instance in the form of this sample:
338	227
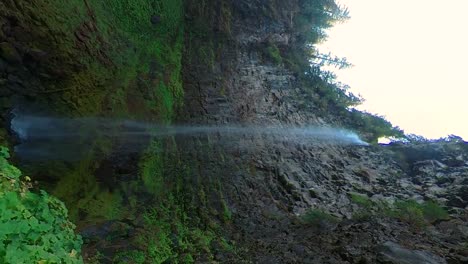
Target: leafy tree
453	138
311	66
327	59
316	16
372	127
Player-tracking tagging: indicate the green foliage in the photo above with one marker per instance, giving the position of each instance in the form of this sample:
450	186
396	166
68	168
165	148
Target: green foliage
152	168
227	214
160	41
327	59
33	227
227	246
166	105
272	53
324	91
316	16
361	200
104	205
318	218
372	127
420	213
410	211
168	236
434	212
208	29
133	256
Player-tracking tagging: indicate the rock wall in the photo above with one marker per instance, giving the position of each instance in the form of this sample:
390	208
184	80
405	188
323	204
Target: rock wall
252	188
268	182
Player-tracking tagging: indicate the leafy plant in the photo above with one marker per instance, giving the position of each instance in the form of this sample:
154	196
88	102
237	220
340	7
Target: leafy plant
33	226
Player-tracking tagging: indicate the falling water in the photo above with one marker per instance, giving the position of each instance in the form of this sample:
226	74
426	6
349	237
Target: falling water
47	137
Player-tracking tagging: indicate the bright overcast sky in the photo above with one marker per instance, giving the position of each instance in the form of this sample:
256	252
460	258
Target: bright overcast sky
411	62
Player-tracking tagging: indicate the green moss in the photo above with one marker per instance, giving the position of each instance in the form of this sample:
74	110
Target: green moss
116	62
152	168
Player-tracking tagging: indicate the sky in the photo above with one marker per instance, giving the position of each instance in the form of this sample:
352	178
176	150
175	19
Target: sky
411	62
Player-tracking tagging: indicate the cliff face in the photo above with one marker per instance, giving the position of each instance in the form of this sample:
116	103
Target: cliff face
243	84
221	197
268	182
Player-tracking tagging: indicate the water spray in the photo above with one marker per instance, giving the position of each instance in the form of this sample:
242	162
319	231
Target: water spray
48	133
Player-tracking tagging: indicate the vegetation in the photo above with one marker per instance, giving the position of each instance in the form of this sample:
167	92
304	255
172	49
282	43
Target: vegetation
124	58
319	218
361	200
272	53
312	68
410	211
372	127
33	226
419	214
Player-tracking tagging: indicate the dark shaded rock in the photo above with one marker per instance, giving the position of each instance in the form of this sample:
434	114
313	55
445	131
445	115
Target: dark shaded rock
14	79
3	65
21	34
9	53
5	103
391	252
456	201
463	193
35	56
155	19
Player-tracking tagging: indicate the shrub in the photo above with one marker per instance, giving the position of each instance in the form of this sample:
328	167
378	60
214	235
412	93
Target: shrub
319	218
409	211
415	213
34	227
433	212
361	200
273	53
